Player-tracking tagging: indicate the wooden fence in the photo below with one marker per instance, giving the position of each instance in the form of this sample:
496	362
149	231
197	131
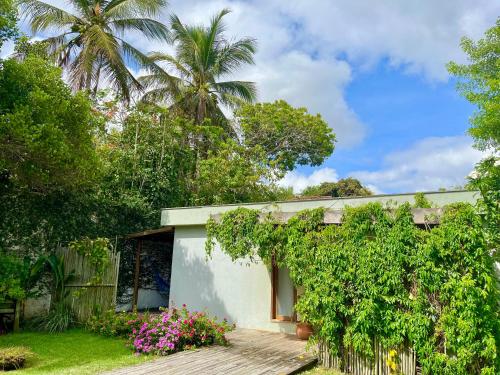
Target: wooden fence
356	364
84	297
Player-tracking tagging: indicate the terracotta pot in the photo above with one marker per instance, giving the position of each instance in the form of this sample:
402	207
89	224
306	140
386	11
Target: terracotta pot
303	330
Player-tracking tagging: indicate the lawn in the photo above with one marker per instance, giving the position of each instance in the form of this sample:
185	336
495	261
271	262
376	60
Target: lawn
72	352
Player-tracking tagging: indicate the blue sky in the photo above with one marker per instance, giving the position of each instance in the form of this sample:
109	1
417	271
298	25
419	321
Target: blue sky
375	70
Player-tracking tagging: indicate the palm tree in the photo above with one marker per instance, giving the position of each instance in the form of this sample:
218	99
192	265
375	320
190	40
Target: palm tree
203	56
89	43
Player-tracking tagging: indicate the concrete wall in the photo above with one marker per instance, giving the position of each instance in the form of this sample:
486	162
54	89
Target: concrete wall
240	292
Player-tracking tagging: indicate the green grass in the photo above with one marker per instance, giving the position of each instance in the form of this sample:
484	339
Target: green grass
71	352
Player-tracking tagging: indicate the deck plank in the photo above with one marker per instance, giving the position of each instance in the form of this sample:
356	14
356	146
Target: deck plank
250	352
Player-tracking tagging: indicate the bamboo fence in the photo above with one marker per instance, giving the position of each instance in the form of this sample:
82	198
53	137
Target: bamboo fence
85	296
356	364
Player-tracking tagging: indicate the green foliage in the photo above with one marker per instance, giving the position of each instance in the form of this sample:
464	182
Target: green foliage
112	324
8	19
45	131
234	174
288	136
97	252
14	357
11	287
421	201
380	276
18	276
345	187
235	233
480	85
486	179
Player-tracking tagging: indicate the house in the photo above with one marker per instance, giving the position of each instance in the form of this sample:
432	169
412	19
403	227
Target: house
251	295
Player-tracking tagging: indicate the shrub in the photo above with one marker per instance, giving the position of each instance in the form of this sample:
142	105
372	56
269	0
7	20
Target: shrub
14	357
59	319
111	323
175	330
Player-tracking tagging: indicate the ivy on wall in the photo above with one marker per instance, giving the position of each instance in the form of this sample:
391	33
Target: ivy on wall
378	275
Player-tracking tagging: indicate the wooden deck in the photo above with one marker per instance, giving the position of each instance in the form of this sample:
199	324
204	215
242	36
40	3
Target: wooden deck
250	353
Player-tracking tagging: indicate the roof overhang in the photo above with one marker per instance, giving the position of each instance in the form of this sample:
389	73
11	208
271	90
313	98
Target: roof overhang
160	234
195	216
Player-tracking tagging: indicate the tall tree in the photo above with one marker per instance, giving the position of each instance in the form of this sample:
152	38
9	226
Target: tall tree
90	44
203	56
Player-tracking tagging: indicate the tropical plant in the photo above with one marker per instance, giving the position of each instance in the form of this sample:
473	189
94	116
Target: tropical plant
203	56
90	42
60	316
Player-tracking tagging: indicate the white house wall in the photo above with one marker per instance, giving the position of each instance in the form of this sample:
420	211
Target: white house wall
240	292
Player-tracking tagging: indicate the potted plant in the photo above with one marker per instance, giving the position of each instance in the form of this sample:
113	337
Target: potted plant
303	330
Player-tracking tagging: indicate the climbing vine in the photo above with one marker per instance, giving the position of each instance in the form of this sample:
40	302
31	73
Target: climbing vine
378	275
97	252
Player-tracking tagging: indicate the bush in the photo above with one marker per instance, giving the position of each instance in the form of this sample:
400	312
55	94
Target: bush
175	330
14	357
111	323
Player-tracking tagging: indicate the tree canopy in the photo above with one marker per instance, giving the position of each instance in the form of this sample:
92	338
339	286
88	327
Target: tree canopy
288	136
345	187
46	132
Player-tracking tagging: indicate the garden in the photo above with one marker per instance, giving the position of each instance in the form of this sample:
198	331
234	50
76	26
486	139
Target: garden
109	340
90	152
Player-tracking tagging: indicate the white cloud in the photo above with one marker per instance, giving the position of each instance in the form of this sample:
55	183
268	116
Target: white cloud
422	36
299	181
429	164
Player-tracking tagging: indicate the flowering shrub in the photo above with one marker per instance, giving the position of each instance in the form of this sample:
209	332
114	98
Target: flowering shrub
111	323
175	330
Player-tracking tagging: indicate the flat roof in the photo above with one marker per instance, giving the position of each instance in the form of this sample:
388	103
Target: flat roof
198	215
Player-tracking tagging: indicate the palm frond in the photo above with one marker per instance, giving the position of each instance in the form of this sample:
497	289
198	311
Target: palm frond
159	57
234	55
119	9
43	16
150	28
240	89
